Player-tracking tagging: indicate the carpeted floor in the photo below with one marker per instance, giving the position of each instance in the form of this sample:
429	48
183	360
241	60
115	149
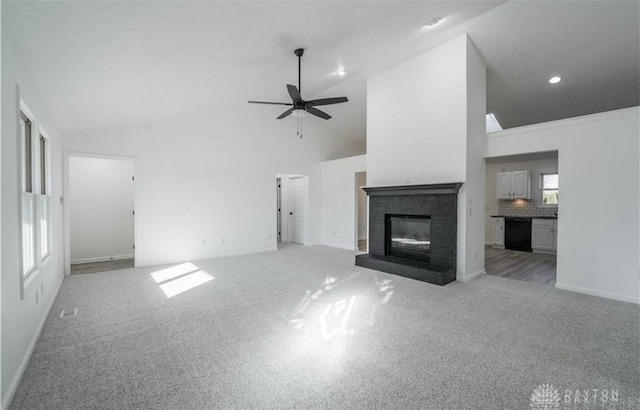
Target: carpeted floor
305	328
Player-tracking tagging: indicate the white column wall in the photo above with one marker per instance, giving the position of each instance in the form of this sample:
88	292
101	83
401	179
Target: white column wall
426	124
416	119
474	187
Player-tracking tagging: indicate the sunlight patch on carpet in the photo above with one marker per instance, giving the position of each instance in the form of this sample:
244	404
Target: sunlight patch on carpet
180	278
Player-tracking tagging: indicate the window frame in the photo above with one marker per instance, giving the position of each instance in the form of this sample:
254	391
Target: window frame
35	195
44	197
28	241
543	189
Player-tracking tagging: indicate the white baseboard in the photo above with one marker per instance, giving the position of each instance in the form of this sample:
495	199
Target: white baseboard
101	259
27	356
543	251
471	276
595	292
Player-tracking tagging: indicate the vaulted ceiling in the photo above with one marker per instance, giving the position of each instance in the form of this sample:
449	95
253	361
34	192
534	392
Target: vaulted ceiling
99	64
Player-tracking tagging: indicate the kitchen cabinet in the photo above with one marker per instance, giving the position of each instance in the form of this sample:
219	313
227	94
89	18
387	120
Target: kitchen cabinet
543	235
513	185
497	232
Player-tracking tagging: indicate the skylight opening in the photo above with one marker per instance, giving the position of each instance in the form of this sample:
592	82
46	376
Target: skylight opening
492	123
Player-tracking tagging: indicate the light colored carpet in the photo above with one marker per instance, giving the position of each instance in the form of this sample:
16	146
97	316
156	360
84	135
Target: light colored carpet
305	328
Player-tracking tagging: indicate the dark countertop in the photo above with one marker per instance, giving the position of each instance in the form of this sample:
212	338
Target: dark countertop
524	216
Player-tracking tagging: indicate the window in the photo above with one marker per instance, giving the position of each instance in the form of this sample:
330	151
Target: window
43	198
43	165
35	198
549	185
27	157
28	234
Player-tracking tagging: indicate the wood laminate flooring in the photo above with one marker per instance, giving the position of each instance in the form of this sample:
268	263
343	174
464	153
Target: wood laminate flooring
526	266
93	267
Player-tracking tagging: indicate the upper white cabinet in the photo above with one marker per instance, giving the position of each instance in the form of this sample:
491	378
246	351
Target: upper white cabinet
513	185
543	235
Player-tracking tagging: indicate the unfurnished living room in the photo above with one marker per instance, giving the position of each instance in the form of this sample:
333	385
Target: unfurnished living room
320	204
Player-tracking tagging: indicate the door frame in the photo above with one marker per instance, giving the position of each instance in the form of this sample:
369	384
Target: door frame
284	203
357	211
65	204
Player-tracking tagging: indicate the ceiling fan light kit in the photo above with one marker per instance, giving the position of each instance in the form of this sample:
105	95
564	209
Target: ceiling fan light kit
300	107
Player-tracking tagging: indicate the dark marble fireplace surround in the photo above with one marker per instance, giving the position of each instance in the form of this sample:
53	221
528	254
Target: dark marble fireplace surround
440	202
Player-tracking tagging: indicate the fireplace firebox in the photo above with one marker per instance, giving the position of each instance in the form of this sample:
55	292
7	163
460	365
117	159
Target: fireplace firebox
408	236
413	231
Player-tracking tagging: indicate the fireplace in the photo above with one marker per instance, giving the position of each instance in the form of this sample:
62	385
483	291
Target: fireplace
408	236
413	231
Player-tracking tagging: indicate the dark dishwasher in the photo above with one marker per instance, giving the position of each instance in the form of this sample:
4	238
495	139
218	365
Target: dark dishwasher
517	234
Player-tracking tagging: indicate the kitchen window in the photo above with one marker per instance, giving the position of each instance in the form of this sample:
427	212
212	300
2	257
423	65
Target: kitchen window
549	188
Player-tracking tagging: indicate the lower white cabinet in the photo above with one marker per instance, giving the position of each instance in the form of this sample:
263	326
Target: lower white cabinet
543	235
497	232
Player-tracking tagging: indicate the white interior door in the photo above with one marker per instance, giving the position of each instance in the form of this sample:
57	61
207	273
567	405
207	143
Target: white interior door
296	209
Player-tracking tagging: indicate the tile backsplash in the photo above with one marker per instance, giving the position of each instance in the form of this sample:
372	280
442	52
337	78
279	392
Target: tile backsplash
524	207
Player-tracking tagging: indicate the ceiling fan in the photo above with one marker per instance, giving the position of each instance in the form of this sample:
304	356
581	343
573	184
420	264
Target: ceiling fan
298	105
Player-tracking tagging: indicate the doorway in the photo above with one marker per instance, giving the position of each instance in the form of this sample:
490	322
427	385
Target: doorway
100	213
291	207
521	217
362	212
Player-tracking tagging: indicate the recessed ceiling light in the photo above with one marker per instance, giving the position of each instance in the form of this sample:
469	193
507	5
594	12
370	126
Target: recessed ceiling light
555	80
433	22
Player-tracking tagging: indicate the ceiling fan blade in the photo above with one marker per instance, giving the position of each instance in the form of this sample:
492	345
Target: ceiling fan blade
317	112
286	113
265	102
328	101
294	93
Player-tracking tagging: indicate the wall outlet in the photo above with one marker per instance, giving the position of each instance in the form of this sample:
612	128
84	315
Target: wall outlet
222	240
204	242
269	236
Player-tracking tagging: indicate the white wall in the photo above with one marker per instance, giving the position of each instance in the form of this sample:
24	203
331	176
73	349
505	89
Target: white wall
471	197
416	119
598	220
101	208
537	164
426	121
1	115
22	318
339	201
362	227
210	177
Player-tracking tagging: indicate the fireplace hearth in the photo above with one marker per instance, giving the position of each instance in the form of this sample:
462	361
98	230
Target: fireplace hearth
413	231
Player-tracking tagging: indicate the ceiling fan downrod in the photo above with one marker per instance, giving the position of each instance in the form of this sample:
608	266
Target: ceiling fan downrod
299	52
